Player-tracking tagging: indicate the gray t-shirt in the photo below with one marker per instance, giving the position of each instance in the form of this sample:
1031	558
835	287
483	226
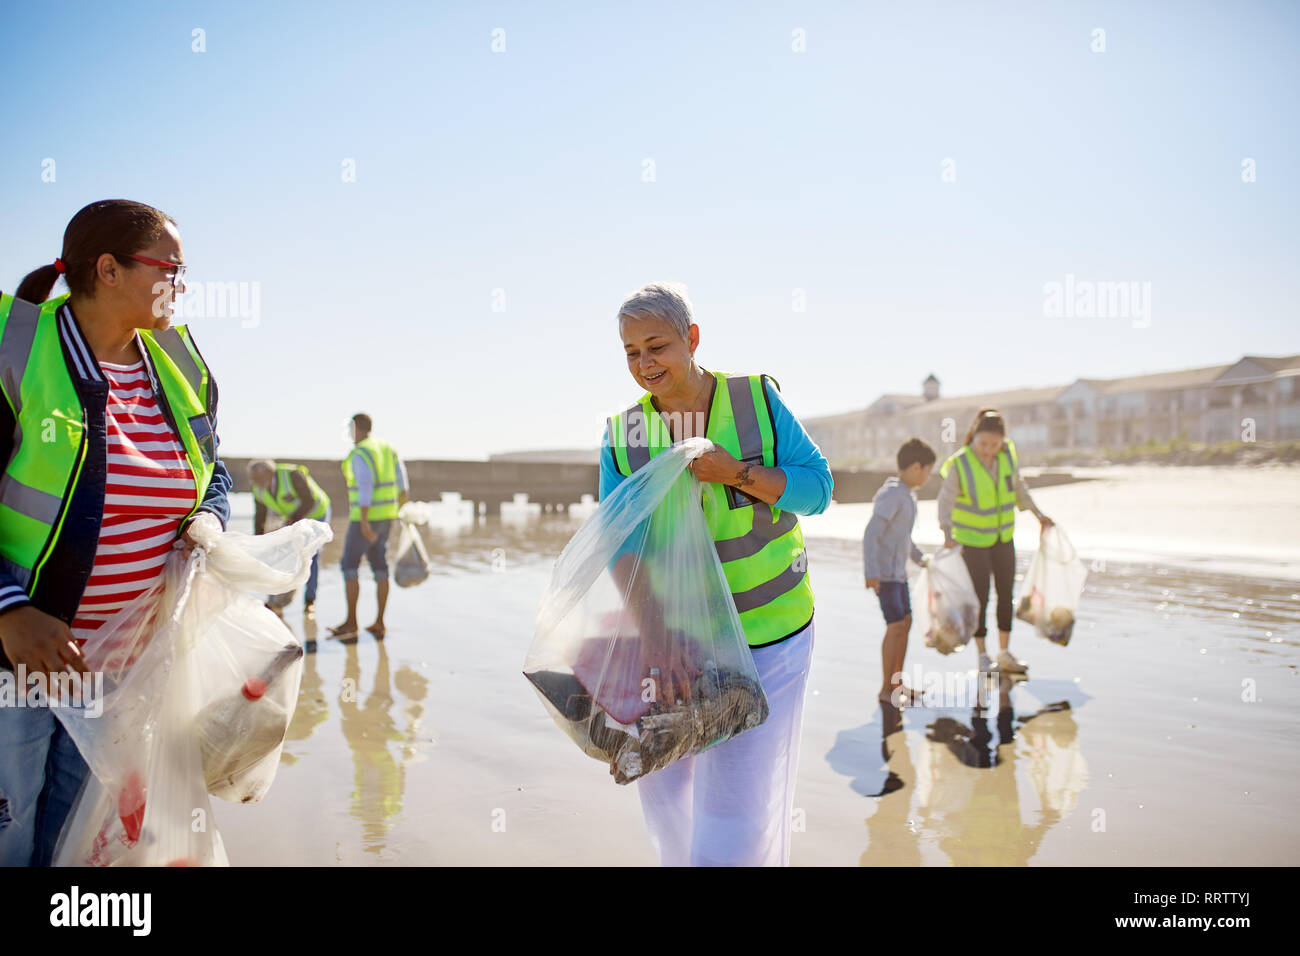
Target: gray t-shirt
887	541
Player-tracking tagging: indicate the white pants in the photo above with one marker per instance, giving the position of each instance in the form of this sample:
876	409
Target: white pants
731	805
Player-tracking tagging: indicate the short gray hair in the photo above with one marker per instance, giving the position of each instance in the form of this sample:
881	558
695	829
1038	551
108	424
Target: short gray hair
660	300
261	464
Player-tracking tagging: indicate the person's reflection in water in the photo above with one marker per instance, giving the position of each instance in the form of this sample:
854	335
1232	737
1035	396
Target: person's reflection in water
978	815
413	686
313	707
1057	769
378	779
890	840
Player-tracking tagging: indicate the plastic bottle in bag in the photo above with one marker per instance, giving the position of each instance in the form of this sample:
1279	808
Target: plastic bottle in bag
237	731
192	640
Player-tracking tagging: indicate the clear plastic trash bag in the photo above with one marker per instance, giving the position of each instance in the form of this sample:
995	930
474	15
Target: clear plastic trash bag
638	612
1053	585
412	564
945	608
199	681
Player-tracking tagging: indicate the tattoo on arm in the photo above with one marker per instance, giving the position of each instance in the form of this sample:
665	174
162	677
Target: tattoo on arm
745	480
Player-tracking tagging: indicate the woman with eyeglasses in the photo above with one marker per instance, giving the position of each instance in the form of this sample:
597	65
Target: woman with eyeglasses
981	491
108	446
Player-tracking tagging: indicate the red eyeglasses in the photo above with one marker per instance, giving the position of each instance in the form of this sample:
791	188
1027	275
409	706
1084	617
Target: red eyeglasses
176	269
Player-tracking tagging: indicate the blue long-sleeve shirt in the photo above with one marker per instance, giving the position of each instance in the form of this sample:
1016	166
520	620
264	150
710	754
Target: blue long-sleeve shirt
887	540
808	483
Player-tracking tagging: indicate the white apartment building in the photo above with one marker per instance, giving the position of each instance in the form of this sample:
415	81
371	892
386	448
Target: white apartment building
1255	398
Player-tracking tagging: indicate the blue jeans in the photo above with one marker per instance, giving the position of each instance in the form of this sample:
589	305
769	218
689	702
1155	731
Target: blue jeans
309	596
41	773
355	545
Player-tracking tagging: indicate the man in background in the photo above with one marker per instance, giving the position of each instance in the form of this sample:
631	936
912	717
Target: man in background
292	493
377	487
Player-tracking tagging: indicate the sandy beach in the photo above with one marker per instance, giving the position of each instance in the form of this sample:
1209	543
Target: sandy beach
1166	733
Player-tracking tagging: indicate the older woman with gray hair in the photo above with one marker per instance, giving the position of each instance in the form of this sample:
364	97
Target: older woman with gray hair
730	805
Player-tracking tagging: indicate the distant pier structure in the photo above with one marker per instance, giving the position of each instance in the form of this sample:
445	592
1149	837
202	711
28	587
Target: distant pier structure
552	484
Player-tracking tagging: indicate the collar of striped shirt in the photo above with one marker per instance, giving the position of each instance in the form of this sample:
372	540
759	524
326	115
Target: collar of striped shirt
87	368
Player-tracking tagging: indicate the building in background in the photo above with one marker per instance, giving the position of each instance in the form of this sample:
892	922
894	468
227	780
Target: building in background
1256	395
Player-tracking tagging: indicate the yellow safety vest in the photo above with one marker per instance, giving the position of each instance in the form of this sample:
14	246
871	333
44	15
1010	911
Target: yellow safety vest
760	546
382	461
50	442
985	510
282	497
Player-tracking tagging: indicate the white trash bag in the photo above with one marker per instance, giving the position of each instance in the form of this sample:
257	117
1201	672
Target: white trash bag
199	683
1053	585
945	608
639	654
412	564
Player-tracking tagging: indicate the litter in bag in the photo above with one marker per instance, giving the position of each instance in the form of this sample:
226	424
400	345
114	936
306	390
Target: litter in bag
1053	585
412	565
945	608
639	654
280	600
199	683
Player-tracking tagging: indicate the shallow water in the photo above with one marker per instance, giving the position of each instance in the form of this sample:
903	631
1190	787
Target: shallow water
1166	733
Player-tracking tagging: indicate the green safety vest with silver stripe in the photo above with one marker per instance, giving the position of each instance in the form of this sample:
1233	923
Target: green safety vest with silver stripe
382	460
990	515
282	497
50	442
761	547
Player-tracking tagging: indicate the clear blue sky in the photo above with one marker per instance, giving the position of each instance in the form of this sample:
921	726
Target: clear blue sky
775	170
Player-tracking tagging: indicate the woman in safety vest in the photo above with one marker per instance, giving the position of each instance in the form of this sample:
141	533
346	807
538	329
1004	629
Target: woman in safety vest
731	804
981	491
108	446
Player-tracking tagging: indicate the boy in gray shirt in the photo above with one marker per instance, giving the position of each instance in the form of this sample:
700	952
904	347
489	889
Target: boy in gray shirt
886	546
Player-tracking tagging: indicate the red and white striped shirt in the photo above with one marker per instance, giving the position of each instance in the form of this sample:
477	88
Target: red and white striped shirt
149	490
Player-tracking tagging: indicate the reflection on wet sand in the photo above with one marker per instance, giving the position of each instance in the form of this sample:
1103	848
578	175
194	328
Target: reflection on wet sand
379	778
891	841
963	795
977	817
313	706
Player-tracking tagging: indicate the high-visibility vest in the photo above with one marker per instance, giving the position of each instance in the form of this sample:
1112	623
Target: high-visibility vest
382	461
760	546
282	497
985	510
50	443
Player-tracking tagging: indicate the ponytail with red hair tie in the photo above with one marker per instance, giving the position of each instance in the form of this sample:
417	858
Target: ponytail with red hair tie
60	267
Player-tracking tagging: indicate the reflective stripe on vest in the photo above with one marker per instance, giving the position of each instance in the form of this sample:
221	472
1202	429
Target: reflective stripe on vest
761	548
282	498
175	341
49	437
985	509
382	462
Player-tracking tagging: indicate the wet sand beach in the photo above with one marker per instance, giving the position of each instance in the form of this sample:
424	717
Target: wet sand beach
1165	733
